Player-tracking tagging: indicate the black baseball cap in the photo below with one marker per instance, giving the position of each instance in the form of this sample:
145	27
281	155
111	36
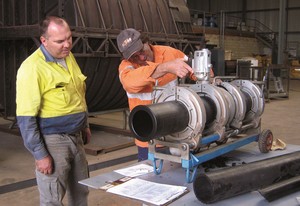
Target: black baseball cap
129	42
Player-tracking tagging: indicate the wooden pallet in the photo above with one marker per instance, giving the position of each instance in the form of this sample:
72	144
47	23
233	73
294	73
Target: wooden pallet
95	150
92	149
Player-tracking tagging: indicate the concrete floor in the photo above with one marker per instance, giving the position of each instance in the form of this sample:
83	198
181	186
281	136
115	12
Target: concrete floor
281	116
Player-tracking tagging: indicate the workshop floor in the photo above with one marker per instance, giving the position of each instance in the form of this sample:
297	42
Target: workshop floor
281	116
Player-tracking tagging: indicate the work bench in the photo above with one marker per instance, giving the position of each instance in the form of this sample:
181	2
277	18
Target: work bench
174	174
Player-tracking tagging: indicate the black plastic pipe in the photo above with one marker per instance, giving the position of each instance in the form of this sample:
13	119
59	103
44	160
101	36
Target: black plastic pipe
281	189
152	121
149	122
222	184
210	109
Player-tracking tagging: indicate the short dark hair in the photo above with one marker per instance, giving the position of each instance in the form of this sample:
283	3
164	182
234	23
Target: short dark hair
45	23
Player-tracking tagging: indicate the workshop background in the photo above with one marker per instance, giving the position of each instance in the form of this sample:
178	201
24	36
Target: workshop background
247	39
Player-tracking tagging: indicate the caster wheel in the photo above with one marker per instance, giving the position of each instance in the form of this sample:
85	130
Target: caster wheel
265	141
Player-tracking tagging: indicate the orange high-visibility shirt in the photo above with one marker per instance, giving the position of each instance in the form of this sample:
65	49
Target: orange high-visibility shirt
139	84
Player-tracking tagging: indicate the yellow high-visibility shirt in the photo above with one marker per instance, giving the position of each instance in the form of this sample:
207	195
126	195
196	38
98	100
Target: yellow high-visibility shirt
46	89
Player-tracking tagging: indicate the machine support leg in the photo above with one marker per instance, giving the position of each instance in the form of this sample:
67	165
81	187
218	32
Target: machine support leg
195	160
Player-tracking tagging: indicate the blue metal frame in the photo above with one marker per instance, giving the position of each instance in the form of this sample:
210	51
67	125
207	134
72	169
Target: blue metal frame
191	165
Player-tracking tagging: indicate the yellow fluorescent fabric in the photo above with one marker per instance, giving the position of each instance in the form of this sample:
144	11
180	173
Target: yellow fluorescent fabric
46	89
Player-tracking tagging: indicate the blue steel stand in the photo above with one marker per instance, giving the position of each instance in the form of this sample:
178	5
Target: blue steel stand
191	165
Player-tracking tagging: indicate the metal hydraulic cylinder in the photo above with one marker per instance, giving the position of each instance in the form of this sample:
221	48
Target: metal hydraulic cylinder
222	184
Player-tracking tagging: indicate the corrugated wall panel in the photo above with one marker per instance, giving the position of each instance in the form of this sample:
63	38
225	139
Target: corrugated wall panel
215	5
265	11
294	3
293	18
270	18
262	4
105	18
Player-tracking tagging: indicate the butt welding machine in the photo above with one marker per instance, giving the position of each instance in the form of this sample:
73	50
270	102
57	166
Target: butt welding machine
201	121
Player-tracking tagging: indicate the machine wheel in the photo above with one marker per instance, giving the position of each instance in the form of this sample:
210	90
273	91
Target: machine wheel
265	141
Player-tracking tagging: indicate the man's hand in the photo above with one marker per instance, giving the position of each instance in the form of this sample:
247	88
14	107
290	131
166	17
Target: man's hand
45	165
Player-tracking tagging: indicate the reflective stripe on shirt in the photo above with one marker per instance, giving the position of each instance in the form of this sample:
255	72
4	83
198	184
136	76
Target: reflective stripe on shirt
150	95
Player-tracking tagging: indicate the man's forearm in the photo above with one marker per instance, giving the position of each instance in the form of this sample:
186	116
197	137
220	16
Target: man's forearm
176	66
159	71
32	137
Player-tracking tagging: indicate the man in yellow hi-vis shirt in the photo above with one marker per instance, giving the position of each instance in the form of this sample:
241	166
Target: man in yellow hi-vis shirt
52	115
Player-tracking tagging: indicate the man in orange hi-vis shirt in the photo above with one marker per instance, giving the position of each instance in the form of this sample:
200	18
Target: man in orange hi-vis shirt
145	66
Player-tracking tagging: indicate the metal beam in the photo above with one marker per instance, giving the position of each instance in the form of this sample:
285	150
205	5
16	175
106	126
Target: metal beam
281	30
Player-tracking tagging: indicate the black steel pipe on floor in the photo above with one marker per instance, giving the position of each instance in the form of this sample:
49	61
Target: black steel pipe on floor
149	122
281	189
229	182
